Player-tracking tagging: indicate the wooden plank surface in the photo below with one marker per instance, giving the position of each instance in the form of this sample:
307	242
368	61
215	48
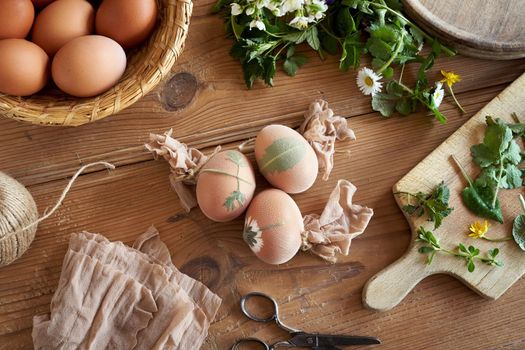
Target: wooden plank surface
440	313
486	280
479	28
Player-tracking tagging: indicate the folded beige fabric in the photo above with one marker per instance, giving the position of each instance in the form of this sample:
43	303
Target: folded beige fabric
321	128
341	221
158	308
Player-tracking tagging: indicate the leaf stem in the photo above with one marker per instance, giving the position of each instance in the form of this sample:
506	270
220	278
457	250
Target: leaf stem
497	239
455	99
406	88
399	46
401	73
463	172
522	202
495	198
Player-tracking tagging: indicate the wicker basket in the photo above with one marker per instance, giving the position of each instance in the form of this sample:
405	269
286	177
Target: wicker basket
146	68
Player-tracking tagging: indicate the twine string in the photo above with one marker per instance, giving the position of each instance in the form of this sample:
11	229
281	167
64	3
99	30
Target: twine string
48	213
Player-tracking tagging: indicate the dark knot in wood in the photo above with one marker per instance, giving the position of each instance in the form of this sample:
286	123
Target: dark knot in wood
204	269
179	91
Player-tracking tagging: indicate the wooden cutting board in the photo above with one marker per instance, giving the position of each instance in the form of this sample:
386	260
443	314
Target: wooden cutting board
387	288
493	29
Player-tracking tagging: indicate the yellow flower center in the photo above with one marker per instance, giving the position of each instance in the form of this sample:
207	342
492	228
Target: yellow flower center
369	82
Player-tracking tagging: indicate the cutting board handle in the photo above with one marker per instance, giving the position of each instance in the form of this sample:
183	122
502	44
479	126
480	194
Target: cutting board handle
389	286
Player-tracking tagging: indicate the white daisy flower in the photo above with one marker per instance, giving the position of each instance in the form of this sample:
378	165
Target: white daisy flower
257	23
437	96
236	9
252	235
369	82
299	22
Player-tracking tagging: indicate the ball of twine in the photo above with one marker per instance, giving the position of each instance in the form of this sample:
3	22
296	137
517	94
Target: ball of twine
17	211
19	216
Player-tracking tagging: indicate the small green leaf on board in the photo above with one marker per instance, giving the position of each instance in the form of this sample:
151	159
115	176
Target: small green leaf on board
518	228
281	155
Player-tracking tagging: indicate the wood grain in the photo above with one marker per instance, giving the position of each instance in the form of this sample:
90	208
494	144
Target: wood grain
440	313
386	289
492	29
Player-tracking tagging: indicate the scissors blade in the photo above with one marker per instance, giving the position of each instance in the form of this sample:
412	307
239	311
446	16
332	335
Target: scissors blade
325	340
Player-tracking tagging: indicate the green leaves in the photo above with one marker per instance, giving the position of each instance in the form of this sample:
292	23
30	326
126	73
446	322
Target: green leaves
479	199
434	204
312	38
496	146
431	246
351	55
293	61
518	228
498	157
350	28
518	231
281	155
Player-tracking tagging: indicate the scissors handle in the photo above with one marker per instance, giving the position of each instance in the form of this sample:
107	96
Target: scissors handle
238	343
273	317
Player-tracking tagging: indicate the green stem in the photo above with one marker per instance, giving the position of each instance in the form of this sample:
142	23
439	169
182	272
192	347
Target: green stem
522	202
495	198
455	99
463	172
401	74
448	51
406	88
497	239
394	55
216	171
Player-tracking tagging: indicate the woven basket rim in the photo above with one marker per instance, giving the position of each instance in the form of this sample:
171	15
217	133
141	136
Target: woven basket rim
147	66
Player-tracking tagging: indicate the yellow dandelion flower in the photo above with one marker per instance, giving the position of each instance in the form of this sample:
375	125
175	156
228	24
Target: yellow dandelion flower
450	78
478	229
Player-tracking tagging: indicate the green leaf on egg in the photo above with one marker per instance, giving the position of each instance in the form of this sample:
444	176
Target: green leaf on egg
281	155
235	197
236	158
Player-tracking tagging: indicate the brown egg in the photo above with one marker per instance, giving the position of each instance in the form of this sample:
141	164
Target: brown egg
273	226
62	21
286	159
16	18
225	186
128	22
88	66
39	4
24	67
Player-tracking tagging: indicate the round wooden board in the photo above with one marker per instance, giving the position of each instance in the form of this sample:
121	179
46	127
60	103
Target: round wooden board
493	29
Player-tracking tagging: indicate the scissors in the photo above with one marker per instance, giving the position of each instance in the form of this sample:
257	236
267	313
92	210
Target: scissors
299	339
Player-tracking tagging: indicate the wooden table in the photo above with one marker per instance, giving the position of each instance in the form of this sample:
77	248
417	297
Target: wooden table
207	104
